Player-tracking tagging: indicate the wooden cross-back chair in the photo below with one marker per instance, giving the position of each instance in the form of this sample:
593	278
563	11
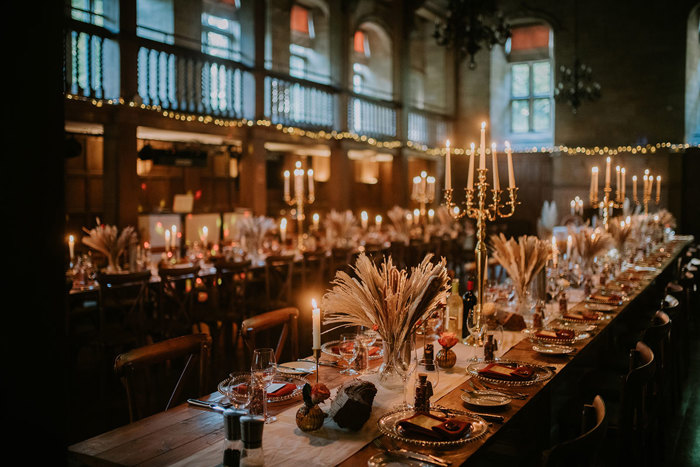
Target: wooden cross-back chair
124	309
286	318
313	268
177	295
230	307
340	260
279	270
149	377
582	450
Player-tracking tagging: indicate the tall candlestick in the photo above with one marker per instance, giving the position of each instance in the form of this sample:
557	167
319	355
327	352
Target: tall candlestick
71	246
511	175
167	240
470	174
431	187
658	188
378	222
569	245
573	207
310	176
316	218
283	229
364	218
617	177
416	216
286	184
431	215
298	180
448	167
205	236
482	147
607	173
315	325
555	252
624	185
496	182
634	187
594	184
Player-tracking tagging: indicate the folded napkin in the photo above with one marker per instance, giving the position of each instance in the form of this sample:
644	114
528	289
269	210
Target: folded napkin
582	315
285	390
507	373
613	298
434	427
556	333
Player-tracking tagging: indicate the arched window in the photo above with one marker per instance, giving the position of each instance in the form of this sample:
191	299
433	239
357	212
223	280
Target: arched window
372	61
522	87
309	41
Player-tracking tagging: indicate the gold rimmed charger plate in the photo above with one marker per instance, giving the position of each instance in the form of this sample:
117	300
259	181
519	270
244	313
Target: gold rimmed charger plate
235	380
540	374
327	348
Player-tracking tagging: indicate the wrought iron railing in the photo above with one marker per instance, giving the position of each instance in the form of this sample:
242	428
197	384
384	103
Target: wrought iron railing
91	62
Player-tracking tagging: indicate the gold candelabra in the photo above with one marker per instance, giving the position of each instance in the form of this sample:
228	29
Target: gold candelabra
482	213
607	204
423	191
646	192
301	198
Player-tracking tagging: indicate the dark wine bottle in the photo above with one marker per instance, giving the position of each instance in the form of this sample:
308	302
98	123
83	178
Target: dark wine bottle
468	301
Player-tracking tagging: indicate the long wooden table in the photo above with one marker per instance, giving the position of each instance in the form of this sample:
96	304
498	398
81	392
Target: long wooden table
181	432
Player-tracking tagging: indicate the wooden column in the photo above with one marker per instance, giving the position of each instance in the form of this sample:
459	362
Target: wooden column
342	177
121	183
259	14
253	176
128	50
399	177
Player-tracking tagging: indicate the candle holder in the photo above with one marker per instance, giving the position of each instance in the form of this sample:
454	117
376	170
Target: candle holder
423	192
482	213
317	357
646	195
607	204
300	199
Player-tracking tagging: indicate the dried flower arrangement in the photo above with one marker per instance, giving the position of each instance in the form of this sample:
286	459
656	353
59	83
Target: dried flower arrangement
110	242
522	259
253	230
400	228
340	227
620	232
382	297
589	243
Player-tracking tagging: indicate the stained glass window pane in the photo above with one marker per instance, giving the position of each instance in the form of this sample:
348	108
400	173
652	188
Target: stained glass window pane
520	80
541	76
541	109
519	116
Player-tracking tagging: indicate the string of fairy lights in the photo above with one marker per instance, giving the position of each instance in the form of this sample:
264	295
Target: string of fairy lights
346	135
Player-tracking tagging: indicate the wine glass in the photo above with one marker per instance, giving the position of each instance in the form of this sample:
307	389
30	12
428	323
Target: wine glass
263	370
369	337
406	361
237	395
348	352
495	329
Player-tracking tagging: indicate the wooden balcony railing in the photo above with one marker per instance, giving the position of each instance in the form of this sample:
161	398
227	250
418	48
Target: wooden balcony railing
300	103
371	117
179	78
428	128
91	62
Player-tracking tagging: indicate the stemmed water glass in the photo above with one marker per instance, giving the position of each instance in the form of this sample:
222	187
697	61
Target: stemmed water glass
368	337
475	326
406	361
239	398
348	352
263	370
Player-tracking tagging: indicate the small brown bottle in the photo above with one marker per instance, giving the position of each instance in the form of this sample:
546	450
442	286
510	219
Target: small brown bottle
563	305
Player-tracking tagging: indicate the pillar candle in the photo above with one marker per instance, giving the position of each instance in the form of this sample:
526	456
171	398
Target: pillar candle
378	222
286	184
364	219
646	184
283	229
205	235
431	215
624	184
569	245
173	236
71	246
416	216
573	207
310	176
658	188
470	175
594	185
448	167
315	325
431	188
607	173
316	218
167	240
555	253
482	147
511	175
496	181
617	178
298	180
634	187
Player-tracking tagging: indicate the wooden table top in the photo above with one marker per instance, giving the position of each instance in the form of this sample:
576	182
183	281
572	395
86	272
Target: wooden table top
182	431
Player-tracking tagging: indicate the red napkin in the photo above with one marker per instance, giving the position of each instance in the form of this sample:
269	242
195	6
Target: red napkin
556	333
372	350
433	427
498	371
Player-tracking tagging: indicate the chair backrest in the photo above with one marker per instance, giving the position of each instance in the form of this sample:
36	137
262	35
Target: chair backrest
279	270
149	378
286	318
583	449
123	299
177	297
657	337
313	268
635	403
231	283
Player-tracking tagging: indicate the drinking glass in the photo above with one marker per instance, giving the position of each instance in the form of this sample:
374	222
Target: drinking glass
406	360
369	337
428	368
475	325
240	398
348	352
263	370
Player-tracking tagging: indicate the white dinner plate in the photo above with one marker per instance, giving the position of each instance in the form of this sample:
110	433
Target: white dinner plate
296	368
485	399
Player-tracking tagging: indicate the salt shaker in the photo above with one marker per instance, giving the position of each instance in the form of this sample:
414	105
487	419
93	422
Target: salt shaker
361	362
252	435
233	446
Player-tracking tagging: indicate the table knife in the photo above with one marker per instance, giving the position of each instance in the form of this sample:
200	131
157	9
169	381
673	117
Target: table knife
331	364
207	404
420	457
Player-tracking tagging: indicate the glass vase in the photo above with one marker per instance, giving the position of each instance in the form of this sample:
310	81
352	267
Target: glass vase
388	375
